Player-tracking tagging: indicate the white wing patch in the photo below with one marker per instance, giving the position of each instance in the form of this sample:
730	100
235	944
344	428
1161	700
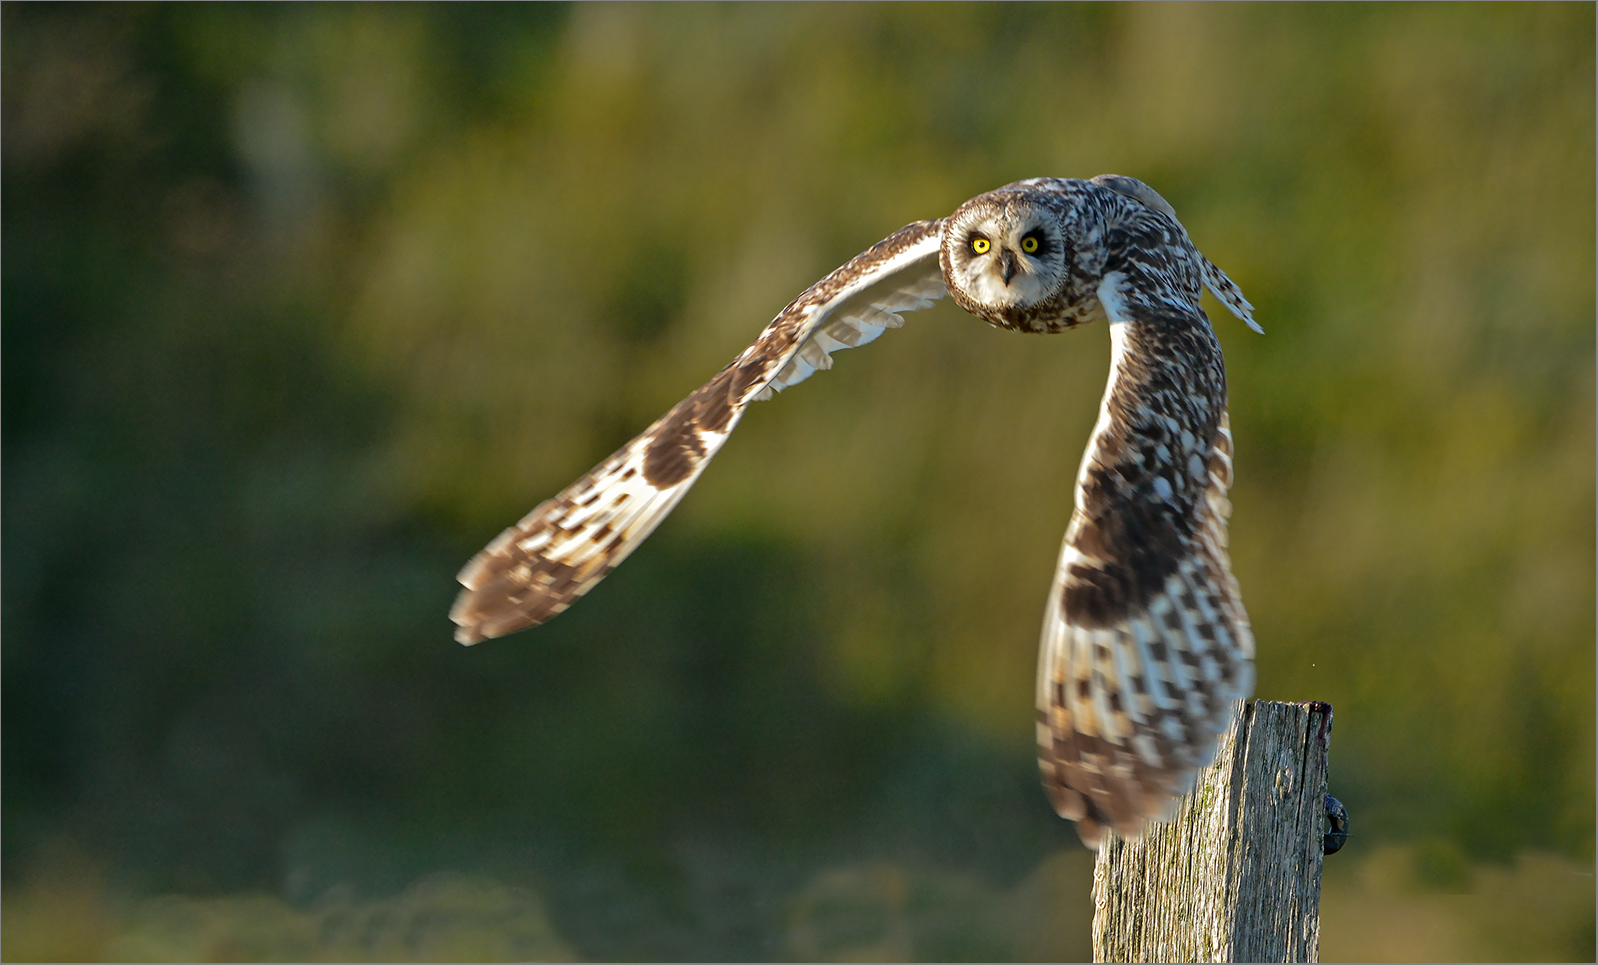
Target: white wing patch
862	319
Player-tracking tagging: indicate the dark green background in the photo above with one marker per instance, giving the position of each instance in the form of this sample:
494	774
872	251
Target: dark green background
303	304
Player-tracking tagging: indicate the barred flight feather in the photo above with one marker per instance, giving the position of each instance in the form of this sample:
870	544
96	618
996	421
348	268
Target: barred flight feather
560	550
1146	647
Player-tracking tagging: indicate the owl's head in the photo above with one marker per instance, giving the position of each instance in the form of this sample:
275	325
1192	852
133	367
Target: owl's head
1005	259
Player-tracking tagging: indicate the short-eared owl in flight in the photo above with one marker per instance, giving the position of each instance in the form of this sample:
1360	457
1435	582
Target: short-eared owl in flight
1145	642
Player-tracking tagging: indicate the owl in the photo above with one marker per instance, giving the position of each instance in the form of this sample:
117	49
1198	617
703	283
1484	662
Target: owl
1145	644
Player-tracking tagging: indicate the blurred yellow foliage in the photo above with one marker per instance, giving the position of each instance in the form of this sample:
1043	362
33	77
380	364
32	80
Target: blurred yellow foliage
441	919
1391	905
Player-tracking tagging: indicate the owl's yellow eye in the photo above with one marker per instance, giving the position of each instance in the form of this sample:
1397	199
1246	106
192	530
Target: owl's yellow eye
980	245
1029	244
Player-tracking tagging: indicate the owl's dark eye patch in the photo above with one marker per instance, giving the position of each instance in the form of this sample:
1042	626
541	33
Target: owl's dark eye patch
1034	243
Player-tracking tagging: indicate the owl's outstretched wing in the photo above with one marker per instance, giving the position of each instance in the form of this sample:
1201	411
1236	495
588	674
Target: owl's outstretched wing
1146	645
538	567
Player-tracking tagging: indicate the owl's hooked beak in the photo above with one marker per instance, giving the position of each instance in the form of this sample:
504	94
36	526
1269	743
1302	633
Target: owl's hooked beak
1007	265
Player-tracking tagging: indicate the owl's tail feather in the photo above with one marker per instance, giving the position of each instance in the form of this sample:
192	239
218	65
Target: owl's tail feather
1226	291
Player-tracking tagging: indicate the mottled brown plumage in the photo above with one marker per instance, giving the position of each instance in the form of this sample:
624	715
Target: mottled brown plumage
1145	642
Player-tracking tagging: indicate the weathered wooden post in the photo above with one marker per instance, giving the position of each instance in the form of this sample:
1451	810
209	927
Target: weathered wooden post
1236	875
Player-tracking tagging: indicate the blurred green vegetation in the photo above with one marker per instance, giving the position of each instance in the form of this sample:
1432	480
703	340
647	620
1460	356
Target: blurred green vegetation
303	304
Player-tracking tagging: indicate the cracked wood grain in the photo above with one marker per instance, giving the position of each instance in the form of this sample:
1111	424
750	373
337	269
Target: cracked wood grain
1235	876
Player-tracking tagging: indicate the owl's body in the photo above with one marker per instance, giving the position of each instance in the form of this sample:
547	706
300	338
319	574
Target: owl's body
1145	642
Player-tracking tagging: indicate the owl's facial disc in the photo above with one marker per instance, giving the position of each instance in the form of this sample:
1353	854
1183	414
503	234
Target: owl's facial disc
1008	260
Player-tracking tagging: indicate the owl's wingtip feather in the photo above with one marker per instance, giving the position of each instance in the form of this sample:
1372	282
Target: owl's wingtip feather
468	628
1091	832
